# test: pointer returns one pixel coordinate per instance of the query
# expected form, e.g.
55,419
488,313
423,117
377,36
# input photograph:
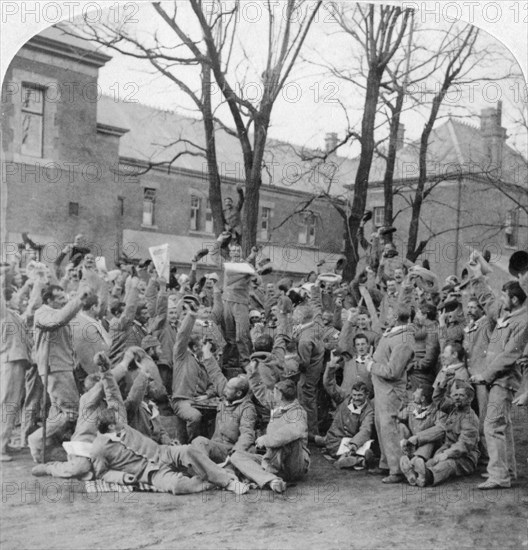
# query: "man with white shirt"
351,428
354,370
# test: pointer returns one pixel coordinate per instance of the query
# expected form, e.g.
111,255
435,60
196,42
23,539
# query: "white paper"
160,257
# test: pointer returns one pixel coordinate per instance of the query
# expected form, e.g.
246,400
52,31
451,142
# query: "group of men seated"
387,373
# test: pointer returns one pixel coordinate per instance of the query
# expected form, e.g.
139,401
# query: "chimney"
493,133
330,141
401,137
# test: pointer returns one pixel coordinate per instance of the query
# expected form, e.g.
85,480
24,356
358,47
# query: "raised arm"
183,336
330,384
264,396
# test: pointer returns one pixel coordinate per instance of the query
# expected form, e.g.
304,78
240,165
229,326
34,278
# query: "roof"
155,136
453,146
155,133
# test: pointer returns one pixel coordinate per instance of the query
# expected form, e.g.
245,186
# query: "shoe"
347,462
489,484
278,486
237,487
393,478
418,465
407,470
319,440
378,471
39,470
5,457
370,460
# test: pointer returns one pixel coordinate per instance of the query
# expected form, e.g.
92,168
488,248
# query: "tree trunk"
388,180
213,176
365,162
416,209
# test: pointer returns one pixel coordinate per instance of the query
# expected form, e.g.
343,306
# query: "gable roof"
454,147
155,136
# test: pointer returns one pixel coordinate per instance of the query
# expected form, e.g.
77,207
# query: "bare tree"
210,48
377,31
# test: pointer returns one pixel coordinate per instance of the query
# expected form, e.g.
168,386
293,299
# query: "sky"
310,105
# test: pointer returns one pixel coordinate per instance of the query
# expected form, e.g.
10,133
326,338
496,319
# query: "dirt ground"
331,509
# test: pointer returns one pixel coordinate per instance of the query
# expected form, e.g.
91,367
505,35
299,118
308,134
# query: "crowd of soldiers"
111,375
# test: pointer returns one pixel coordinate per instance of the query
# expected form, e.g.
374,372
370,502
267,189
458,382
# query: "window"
511,227
32,120
149,198
73,209
208,218
195,213
378,218
307,231
121,206
265,223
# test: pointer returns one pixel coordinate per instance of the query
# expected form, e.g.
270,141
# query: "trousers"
62,415
177,458
452,467
192,417
237,327
498,431
12,375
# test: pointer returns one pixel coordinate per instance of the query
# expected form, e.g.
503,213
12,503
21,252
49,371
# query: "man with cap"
501,373
236,415
457,432
286,440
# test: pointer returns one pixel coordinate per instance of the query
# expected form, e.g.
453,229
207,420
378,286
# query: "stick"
44,412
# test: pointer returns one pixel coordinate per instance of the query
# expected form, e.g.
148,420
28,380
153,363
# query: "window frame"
149,198
33,114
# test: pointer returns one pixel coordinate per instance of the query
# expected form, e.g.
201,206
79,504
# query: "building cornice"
143,165
110,130
67,51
